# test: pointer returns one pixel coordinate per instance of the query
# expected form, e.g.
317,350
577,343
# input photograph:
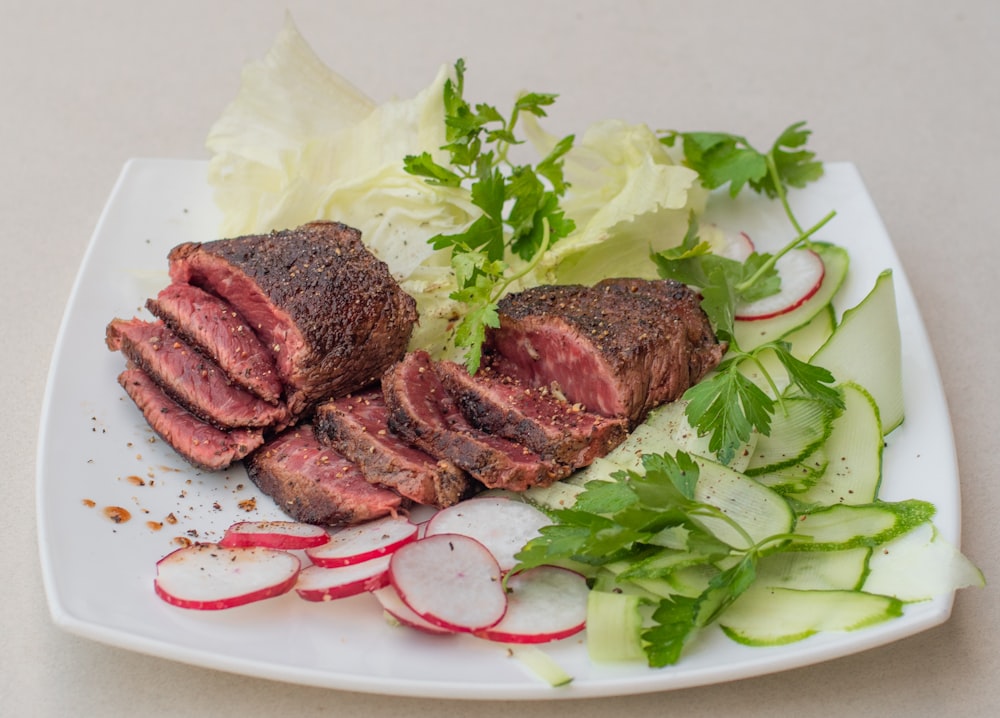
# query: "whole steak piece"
315,484
619,348
327,308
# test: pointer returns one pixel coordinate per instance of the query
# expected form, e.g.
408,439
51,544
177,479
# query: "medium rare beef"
532,417
329,310
194,382
358,427
620,348
315,484
422,413
214,328
201,444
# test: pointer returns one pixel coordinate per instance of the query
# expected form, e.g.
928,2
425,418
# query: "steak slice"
358,427
213,327
327,308
532,417
620,348
315,484
422,413
200,444
190,379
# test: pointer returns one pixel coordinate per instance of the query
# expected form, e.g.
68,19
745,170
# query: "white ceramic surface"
95,447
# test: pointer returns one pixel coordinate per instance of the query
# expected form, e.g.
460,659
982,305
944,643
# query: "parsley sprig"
521,216
641,518
728,406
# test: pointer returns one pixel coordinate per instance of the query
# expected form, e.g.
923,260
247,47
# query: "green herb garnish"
728,406
521,216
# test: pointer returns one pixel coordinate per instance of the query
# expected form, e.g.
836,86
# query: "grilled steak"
358,427
620,348
532,417
190,379
217,330
201,444
422,413
315,484
327,308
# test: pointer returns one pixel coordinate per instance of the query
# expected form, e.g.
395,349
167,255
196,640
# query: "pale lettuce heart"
627,197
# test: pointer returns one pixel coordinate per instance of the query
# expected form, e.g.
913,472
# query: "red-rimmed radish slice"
451,581
275,534
801,272
502,525
736,246
363,543
211,577
545,603
393,605
317,583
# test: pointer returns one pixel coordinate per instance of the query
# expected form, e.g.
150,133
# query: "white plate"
95,447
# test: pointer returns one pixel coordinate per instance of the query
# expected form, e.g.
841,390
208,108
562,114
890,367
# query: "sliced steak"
620,348
315,484
190,379
358,427
212,326
328,309
533,417
422,413
202,445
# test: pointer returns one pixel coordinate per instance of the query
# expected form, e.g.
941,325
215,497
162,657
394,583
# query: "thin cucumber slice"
759,511
826,571
800,425
540,663
765,616
751,334
796,478
803,343
854,449
920,565
839,527
866,349
614,623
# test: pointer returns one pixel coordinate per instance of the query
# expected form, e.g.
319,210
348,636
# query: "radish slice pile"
444,577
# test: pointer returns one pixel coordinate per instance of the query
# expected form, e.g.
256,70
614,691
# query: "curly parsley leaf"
519,204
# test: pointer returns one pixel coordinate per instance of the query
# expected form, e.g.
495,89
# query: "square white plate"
95,452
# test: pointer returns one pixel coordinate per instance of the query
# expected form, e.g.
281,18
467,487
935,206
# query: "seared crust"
328,309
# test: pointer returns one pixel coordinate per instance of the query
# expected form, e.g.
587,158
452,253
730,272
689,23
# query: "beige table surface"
906,90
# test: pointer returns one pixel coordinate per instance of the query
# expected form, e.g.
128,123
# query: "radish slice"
451,581
317,583
393,605
801,272
502,525
544,604
274,534
210,577
737,246
362,543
